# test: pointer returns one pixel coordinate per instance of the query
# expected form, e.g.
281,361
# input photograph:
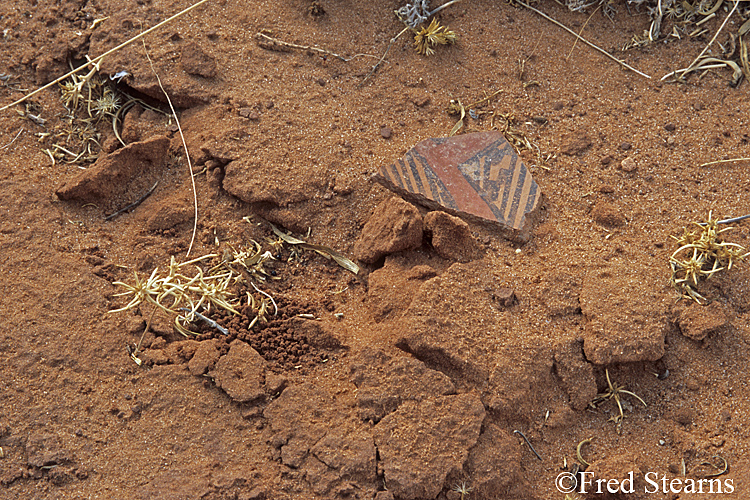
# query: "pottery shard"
451,237
625,318
421,443
697,322
477,177
241,373
395,225
383,383
120,177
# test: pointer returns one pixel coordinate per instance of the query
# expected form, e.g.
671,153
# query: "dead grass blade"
682,72
270,43
325,251
595,47
718,162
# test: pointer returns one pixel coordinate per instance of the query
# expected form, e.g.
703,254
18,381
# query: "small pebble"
670,127
386,132
626,146
628,165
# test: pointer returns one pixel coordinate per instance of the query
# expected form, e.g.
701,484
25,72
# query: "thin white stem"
448,4
187,153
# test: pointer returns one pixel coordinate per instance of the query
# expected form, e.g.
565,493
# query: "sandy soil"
413,378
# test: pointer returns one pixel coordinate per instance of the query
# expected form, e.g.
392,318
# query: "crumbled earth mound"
455,364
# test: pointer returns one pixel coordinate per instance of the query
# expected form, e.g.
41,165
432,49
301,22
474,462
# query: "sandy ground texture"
424,374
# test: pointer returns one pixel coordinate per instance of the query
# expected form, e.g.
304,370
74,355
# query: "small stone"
606,160
628,165
422,101
626,146
246,112
504,297
670,127
386,132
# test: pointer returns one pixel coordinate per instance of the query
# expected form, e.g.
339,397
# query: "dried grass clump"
700,254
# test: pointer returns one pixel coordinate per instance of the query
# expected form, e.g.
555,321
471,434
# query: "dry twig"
94,63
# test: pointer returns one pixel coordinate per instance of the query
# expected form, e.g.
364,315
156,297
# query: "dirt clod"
112,178
435,438
241,373
607,214
575,144
451,237
698,322
395,225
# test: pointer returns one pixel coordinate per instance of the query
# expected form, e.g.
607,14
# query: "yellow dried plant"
702,252
434,34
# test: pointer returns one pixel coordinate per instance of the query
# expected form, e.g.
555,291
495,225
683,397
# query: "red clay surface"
411,379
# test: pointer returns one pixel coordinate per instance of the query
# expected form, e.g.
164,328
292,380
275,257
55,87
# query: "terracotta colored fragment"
394,226
478,177
113,178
